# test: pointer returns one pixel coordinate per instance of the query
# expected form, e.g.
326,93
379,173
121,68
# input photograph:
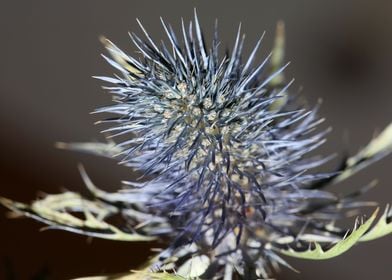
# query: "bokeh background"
341,51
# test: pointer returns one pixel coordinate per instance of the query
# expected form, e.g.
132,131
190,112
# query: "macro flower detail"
227,182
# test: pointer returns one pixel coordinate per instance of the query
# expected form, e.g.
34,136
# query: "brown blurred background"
340,51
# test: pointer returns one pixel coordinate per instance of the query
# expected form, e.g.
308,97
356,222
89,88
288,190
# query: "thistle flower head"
223,158
224,152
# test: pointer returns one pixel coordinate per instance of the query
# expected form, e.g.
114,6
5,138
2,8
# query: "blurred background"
340,51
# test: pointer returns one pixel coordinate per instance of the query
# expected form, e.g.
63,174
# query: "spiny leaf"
318,253
382,228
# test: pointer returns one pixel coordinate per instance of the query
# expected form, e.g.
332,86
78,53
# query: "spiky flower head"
223,148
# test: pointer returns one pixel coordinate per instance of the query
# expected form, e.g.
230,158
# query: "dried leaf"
138,275
57,211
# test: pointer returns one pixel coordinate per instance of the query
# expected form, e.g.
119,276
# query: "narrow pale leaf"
277,57
109,150
379,147
120,57
194,267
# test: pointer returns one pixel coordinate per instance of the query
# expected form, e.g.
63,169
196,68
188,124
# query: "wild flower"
224,148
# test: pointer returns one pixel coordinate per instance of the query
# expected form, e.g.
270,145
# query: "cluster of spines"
222,154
